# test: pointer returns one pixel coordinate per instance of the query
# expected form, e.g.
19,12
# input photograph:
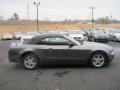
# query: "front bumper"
111,56
101,39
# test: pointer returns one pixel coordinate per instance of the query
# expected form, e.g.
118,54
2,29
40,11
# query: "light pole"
37,4
28,11
92,9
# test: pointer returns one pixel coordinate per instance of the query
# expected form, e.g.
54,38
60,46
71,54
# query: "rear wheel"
98,60
30,61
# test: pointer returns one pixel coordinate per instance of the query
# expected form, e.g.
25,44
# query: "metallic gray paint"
80,53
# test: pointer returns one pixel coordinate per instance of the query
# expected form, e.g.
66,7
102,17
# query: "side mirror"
71,44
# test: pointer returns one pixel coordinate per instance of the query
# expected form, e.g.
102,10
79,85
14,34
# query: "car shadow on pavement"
19,67
65,66
62,66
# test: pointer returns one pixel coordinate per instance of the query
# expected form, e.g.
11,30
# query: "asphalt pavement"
13,77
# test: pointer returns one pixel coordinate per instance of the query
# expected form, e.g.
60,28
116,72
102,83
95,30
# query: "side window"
42,42
54,41
57,41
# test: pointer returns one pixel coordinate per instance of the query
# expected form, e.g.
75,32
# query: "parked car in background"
28,35
79,35
18,35
109,32
58,48
42,32
98,36
58,32
63,32
52,32
7,36
115,35
89,31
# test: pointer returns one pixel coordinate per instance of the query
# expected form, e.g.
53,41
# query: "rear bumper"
13,57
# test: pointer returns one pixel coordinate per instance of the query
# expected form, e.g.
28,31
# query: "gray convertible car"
57,48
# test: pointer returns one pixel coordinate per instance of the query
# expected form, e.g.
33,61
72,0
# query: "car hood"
101,35
96,46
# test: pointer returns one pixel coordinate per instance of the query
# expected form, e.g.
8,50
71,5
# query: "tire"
98,60
30,61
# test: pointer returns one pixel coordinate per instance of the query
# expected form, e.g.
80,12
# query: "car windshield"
72,39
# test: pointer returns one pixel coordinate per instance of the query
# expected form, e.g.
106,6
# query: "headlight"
111,52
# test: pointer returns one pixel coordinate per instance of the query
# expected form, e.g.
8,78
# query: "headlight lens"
112,52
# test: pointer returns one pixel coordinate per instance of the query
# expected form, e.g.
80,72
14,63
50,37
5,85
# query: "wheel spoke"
98,60
30,62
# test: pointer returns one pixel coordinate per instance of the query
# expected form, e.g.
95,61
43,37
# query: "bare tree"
15,16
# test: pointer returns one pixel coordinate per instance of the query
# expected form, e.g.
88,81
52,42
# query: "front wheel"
30,61
98,60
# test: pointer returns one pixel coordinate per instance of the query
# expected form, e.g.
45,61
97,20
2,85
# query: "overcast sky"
61,9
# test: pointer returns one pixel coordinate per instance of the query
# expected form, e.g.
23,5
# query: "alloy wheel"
30,61
98,60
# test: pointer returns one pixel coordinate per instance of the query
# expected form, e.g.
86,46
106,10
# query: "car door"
58,48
